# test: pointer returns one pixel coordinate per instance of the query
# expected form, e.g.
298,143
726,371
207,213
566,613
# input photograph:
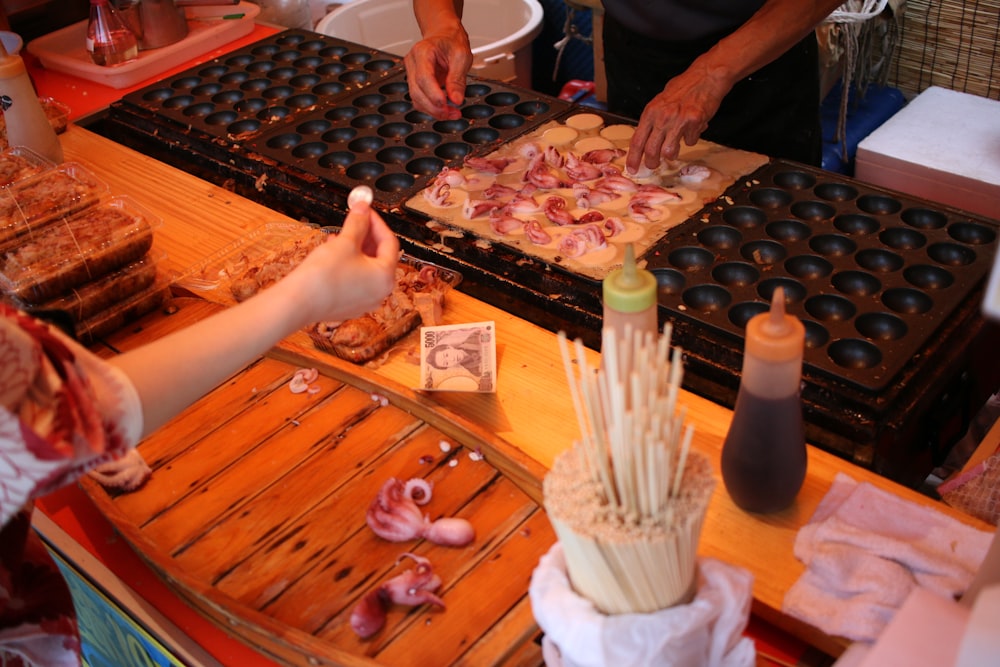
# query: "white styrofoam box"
943,146
991,300
500,32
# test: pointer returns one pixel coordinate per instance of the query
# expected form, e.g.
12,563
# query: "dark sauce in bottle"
764,455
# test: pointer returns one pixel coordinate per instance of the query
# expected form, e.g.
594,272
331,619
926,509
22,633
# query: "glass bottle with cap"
629,296
287,13
110,41
27,124
764,454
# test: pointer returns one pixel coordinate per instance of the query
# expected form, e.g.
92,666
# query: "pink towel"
865,549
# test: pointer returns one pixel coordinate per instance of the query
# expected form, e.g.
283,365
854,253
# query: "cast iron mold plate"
871,273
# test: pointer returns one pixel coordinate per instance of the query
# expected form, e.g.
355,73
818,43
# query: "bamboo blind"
948,43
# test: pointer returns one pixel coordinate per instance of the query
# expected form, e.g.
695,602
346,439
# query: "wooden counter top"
531,411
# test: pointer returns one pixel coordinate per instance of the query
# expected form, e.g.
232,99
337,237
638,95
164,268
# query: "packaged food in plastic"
130,309
95,296
29,205
18,163
75,250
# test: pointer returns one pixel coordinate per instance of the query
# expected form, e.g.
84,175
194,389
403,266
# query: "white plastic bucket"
500,31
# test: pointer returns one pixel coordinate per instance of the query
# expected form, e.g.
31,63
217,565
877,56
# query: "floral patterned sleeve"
64,411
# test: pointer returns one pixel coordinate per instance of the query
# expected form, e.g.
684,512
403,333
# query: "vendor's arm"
437,65
348,275
688,101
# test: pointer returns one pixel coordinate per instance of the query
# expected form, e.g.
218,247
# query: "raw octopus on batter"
564,196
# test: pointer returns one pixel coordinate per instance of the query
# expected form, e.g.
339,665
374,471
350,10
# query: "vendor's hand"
351,273
681,111
436,68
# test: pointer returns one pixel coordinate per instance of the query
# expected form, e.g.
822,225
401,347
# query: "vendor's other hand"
361,260
681,111
436,68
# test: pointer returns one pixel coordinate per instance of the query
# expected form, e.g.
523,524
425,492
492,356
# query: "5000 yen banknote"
459,357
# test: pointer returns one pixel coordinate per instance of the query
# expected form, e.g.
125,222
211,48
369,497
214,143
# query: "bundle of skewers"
628,500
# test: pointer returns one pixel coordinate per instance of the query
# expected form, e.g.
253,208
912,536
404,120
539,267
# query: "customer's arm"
344,277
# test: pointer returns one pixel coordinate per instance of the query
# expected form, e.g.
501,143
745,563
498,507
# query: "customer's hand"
351,273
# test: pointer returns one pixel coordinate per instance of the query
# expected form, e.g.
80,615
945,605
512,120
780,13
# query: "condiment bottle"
287,13
629,295
764,453
27,124
109,40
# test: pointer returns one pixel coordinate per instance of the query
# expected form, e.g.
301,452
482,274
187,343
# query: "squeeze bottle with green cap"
764,453
629,295
27,124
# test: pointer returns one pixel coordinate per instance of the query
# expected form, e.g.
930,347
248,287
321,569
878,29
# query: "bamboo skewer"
628,501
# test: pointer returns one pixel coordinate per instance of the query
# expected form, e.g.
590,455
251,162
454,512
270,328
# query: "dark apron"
774,111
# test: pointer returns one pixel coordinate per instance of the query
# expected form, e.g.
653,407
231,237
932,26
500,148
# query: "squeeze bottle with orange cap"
27,124
764,454
629,296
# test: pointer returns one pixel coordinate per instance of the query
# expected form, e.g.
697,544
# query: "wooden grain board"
521,428
255,513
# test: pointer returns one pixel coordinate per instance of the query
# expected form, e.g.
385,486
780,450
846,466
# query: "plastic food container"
29,205
100,295
55,111
18,163
270,252
253,262
130,309
77,249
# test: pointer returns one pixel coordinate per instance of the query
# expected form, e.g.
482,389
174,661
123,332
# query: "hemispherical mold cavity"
741,313
832,245
830,308
879,260
854,353
770,197
744,216
690,258
763,252
808,267
902,238
788,230
794,180
879,204
856,224
394,182
928,276
907,300
669,282
795,291
735,274
880,326
720,237
707,298
836,191
856,283
951,254
924,218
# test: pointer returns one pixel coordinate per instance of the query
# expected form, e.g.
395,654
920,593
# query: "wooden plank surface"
262,501
530,419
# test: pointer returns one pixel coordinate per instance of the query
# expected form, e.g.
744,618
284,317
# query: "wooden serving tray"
255,514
